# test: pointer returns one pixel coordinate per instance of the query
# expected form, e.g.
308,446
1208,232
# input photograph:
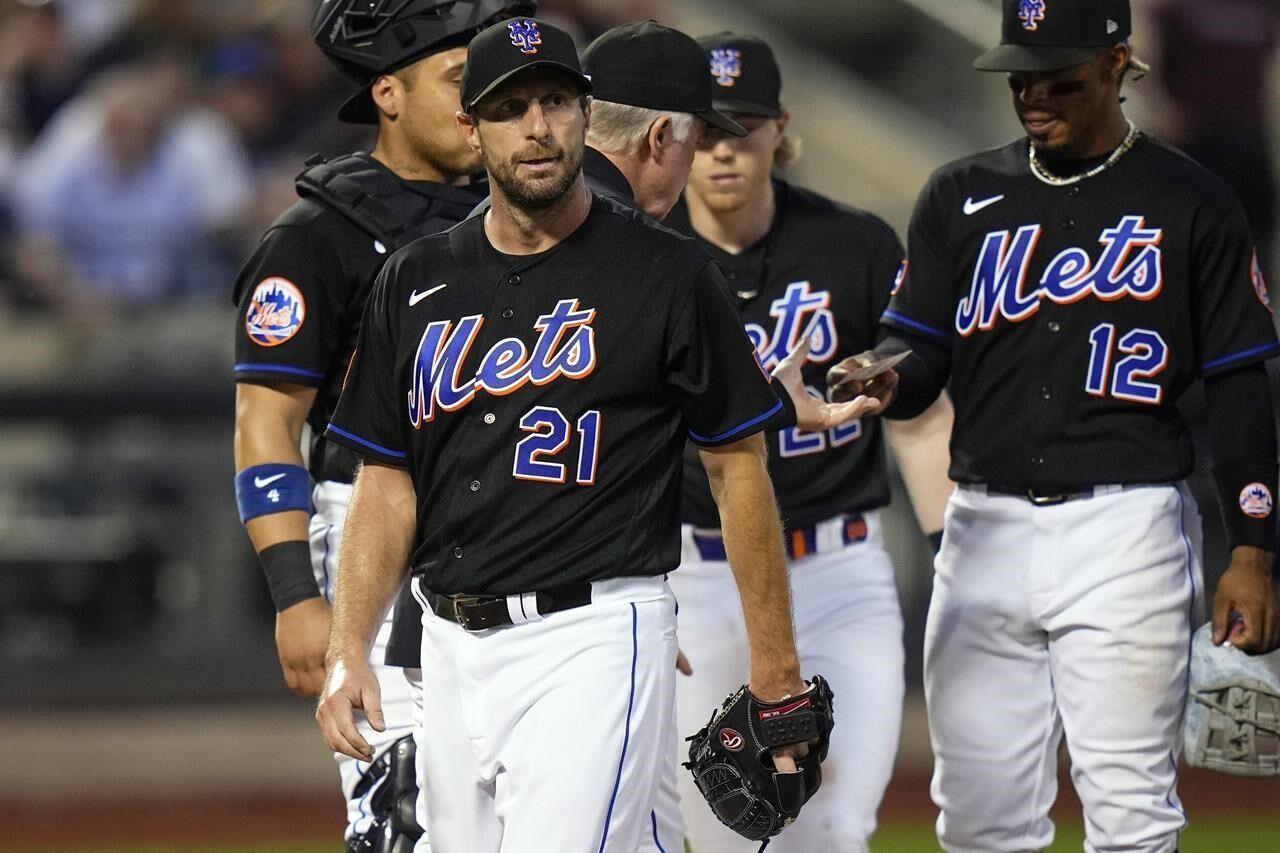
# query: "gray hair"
620,128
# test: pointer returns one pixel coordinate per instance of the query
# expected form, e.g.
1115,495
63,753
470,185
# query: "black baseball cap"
647,65
1049,35
745,78
365,40
511,47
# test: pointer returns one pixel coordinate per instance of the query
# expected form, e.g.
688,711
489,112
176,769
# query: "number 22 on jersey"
794,441
1144,353
549,434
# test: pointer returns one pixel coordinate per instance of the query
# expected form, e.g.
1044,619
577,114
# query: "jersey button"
457,553
1046,392
1074,191
490,417
1055,326
513,279
1035,460
507,313
1070,225
475,485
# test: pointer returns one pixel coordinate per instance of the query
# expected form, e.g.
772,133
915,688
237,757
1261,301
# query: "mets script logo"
795,312
1255,500
726,65
525,35
731,740
1031,13
565,347
1130,265
276,311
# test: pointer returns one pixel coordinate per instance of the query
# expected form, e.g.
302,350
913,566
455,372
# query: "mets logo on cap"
1255,500
1031,13
525,35
276,311
726,65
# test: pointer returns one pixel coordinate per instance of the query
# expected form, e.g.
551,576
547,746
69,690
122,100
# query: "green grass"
1244,836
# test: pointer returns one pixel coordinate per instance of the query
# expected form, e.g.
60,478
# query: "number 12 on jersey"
550,430
1145,355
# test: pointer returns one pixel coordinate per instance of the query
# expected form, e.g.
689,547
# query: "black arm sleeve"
1242,439
921,375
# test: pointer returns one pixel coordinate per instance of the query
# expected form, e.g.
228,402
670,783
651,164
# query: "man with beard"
522,389
301,296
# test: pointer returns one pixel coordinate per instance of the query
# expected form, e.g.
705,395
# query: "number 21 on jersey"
1144,353
549,434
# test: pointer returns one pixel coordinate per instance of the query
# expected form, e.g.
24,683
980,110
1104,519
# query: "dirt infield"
160,822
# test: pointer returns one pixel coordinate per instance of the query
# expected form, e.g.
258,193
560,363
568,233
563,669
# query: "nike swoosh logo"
971,207
261,482
416,297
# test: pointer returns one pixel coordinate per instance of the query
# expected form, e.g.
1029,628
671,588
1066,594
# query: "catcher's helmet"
368,38
1233,709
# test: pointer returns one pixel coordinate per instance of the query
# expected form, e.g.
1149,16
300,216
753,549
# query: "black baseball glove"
732,763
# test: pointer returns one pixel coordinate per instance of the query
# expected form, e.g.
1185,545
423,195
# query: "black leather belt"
482,612
1041,497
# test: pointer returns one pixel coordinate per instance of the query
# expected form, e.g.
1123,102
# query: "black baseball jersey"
541,402
302,292
832,268
1075,316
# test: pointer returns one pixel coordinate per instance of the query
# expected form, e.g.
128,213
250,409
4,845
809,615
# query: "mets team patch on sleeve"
899,278
1255,500
276,311
1260,283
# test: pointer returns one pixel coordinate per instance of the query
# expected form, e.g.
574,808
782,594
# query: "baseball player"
648,115
1070,286
521,391
800,263
301,296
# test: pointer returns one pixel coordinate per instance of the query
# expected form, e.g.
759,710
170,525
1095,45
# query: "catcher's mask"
368,38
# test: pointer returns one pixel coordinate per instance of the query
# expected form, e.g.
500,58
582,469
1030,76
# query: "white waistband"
1098,491
523,607
829,533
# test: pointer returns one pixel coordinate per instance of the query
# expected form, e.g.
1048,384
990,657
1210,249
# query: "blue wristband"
265,489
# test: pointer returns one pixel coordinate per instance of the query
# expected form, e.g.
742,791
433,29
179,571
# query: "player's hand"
302,635
351,686
843,386
682,664
814,414
784,757
1246,607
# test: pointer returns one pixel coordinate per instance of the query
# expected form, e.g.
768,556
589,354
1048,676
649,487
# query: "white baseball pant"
550,734
1074,618
849,630
401,695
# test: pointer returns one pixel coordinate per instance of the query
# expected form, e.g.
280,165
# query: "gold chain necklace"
1053,180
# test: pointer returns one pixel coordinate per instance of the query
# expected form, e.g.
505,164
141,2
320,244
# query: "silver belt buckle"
460,601
1046,500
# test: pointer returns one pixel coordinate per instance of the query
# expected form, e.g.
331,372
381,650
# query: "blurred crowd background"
146,144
